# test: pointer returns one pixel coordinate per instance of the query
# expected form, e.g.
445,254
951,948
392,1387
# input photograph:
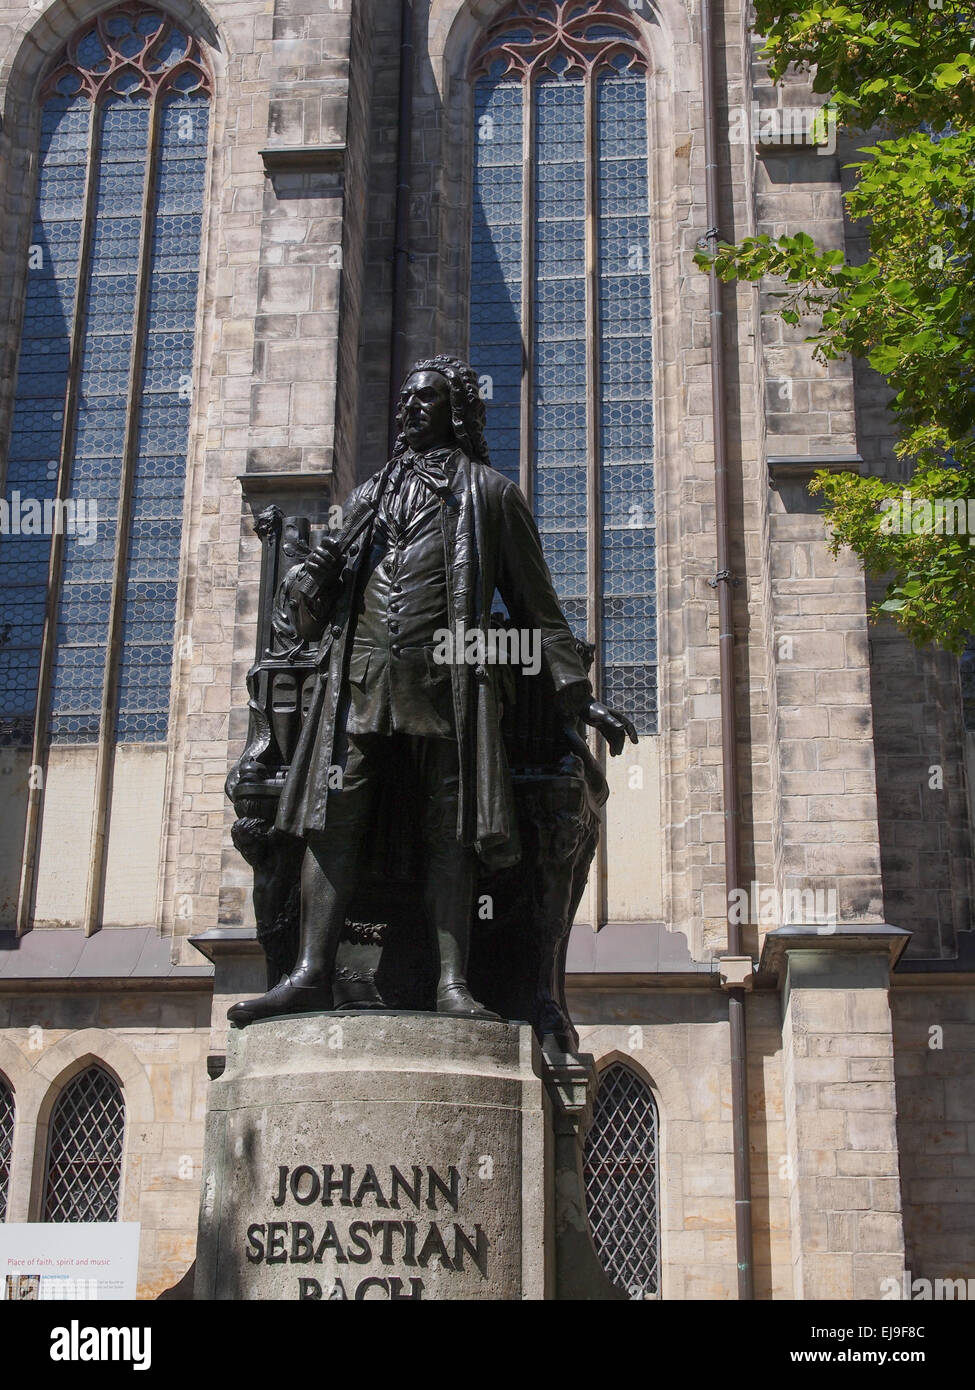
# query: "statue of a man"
426,543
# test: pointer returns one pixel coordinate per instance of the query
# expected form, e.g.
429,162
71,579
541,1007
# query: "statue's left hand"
614,727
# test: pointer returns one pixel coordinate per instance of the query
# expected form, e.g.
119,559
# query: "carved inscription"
412,1239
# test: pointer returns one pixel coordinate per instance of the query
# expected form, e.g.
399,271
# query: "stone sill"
221,942
770,148
847,937
290,159
289,481
799,468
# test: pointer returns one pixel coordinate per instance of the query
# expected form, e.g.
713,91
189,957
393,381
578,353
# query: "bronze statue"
405,686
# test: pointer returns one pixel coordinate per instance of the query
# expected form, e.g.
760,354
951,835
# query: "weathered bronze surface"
420,809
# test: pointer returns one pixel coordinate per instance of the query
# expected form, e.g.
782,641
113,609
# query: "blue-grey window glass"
38,418
496,263
130,93
559,388
153,562
96,468
629,628
584,369
6,1142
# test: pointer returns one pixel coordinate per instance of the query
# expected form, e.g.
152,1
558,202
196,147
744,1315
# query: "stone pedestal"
392,1156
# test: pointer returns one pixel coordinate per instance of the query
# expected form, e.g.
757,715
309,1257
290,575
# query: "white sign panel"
55,1260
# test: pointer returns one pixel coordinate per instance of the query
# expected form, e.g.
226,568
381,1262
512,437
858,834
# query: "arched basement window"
84,1155
622,1184
561,314
97,450
6,1142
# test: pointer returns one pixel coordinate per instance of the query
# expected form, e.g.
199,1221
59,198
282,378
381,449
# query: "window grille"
101,410
84,1158
563,328
622,1182
6,1142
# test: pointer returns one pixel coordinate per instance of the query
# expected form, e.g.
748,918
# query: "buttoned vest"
395,686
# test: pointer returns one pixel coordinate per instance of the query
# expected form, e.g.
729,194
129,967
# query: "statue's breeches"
424,774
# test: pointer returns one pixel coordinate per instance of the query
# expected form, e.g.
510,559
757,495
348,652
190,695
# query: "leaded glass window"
97,445
6,1142
622,1182
561,315
84,1156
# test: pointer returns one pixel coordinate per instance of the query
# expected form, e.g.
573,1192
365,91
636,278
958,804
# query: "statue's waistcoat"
395,686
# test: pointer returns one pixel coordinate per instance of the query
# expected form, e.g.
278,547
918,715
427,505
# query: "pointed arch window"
6,1142
622,1181
84,1155
96,455
561,312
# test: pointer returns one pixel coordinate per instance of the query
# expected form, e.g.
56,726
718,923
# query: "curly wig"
467,412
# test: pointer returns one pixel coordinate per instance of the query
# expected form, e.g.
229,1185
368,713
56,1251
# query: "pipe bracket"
737,972
724,577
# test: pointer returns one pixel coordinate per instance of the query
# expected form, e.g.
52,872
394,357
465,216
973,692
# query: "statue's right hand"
324,561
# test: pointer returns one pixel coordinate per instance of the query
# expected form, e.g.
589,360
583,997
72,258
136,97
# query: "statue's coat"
491,543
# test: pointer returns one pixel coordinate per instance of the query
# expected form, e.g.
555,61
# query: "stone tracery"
568,37
128,50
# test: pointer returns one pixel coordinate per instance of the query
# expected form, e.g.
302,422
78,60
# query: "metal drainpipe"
723,582
401,254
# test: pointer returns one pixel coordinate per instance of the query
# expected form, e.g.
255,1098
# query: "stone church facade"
224,228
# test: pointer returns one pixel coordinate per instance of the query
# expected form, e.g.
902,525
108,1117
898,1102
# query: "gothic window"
622,1182
101,409
6,1142
84,1155
560,312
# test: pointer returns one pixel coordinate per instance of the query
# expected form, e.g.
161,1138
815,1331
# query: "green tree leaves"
908,67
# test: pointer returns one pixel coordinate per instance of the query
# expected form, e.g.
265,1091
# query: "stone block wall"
923,818
382,136
824,790
677,1040
824,718
934,1069
155,1044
